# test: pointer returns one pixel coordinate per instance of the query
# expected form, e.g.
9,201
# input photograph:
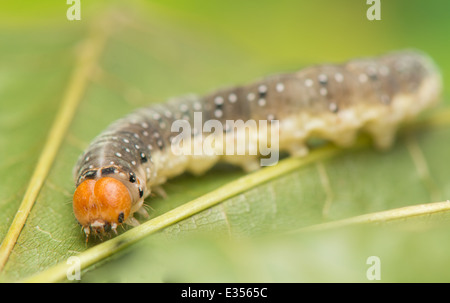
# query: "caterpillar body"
133,155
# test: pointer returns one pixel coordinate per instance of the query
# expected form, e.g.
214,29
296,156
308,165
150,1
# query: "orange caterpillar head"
101,205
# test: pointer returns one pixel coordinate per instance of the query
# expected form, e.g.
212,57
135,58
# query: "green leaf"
225,225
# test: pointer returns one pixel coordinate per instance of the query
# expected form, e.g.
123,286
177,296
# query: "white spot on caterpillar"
232,98
280,87
251,97
322,78
363,78
197,106
218,113
323,91
339,77
262,102
218,100
262,88
309,82
333,107
118,154
184,107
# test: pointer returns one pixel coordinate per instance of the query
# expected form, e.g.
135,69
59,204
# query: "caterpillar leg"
251,165
201,164
132,221
345,139
247,163
383,134
297,149
143,212
159,190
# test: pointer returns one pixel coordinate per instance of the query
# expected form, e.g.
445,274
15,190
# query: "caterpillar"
133,156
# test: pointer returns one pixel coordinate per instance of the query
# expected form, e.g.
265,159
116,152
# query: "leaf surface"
158,50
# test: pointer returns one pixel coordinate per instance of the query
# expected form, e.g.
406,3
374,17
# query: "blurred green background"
160,49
